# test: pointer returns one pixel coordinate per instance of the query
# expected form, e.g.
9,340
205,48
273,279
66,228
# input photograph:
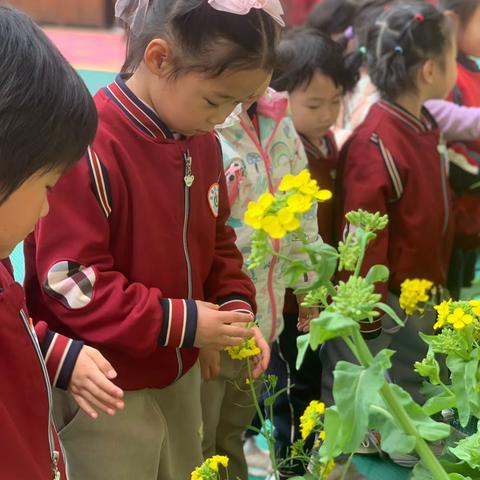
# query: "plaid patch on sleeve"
71,283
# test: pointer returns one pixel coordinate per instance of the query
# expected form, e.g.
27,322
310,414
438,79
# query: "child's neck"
412,103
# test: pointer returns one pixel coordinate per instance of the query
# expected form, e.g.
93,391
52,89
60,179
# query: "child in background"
391,164
465,164
312,69
144,266
260,146
47,119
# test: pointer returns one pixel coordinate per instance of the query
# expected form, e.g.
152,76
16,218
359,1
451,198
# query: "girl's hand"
209,363
91,385
305,315
261,361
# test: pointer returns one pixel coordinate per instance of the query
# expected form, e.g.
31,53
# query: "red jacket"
391,164
130,241
29,445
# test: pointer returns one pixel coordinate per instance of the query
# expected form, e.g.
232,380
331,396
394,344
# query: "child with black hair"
392,164
334,18
47,119
465,156
144,265
311,68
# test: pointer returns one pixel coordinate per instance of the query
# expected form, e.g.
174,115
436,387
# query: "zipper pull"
55,470
188,178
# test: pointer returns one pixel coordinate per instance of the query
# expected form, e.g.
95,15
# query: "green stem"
346,468
396,408
267,434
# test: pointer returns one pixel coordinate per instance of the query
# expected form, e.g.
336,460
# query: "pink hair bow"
133,13
242,7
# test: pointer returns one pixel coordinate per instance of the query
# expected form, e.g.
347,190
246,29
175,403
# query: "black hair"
401,40
463,8
204,39
304,51
334,17
47,116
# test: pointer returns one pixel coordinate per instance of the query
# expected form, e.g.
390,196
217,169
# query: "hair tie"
419,17
399,50
132,13
348,33
242,7
363,50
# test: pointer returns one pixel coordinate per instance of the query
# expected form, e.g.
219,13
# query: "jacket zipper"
276,244
443,167
54,455
188,180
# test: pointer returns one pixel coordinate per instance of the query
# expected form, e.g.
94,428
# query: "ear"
156,56
426,72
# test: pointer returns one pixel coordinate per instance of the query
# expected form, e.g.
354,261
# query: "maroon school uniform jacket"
136,231
391,164
29,448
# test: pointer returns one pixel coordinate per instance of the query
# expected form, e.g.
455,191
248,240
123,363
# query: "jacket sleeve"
60,354
458,123
365,184
227,285
309,220
80,285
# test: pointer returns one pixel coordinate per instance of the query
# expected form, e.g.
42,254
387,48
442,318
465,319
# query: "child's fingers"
102,363
205,370
235,317
101,395
85,406
93,401
105,385
237,331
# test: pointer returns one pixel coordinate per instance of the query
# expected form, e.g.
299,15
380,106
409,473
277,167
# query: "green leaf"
394,439
436,404
327,259
429,368
303,342
390,312
293,271
330,325
463,374
355,388
334,431
378,273
428,428
468,450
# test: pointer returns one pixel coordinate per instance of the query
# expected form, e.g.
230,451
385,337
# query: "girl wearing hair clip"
392,164
144,266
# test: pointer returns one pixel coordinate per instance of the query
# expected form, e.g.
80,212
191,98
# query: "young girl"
466,172
391,164
260,146
143,244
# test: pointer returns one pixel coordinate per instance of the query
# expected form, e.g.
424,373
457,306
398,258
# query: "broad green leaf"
428,428
394,439
463,374
438,403
378,273
330,325
390,312
334,433
355,388
293,271
468,450
303,342
420,472
327,259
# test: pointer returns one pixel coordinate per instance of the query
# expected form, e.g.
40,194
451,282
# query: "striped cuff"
236,304
371,330
60,354
179,323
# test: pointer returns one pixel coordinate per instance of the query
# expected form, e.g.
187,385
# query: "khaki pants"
228,410
156,437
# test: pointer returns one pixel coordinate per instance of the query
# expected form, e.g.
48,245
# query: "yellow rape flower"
292,182
247,349
475,304
414,292
459,319
323,195
288,219
299,203
309,188
311,418
265,200
217,460
209,468
328,468
443,310
272,225
256,210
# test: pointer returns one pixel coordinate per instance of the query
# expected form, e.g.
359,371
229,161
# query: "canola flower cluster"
277,215
311,419
208,470
246,350
457,315
414,293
